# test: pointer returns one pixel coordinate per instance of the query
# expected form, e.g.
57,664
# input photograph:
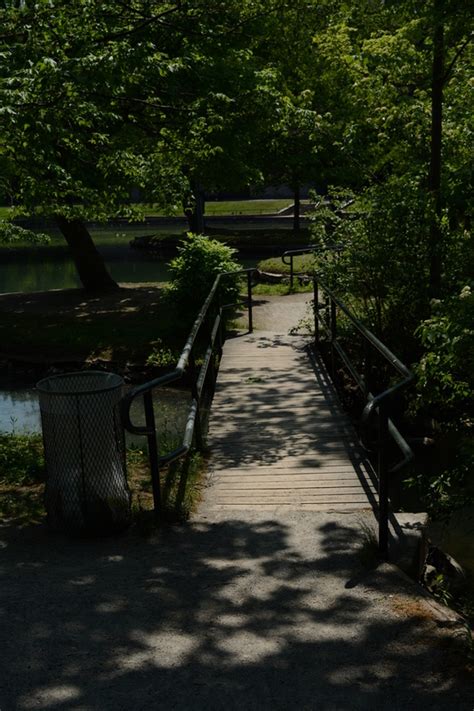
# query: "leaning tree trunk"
296,209
195,211
435,160
89,263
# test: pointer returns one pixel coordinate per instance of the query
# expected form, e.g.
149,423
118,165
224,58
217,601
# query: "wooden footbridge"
278,437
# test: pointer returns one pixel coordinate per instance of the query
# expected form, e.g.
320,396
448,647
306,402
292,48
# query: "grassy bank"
212,207
302,264
23,473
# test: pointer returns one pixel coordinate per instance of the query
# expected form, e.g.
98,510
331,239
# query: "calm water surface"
40,271
19,411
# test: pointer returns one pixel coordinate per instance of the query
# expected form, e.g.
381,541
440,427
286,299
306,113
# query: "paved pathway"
221,615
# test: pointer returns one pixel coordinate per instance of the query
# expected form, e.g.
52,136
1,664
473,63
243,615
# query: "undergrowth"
23,474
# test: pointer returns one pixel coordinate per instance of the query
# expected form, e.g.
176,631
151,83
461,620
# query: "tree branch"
140,26
460,50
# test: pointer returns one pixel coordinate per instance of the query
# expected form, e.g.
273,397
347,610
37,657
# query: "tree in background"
413,207
101,97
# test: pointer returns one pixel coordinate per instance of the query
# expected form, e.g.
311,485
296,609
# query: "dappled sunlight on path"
230,614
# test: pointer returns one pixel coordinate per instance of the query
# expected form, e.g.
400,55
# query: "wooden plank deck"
278,438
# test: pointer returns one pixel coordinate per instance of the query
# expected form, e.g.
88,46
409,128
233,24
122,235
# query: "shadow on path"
235,614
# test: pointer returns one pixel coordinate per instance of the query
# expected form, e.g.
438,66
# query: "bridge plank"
278,437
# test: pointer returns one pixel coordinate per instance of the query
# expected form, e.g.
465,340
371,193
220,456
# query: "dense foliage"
11,234
194,270
446,369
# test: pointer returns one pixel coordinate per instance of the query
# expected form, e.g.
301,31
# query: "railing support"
316,312
249,300
367,368
195,395
382,472
292,273
152,450
333,316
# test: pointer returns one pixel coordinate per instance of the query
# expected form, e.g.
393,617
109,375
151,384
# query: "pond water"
40,272
19,411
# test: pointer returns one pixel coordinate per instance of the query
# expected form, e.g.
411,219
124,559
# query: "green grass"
302,264
233,207
247,207
23,474
280,289
5,213
212,207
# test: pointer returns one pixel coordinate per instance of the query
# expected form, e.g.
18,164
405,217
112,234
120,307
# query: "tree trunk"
436,146
194,210
296,210
89,263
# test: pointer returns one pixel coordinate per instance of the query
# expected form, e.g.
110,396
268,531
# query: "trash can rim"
42,388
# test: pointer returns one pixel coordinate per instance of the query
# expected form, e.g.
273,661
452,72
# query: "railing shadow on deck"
209,326
379,407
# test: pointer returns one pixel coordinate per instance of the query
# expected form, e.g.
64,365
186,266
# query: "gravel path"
284,314
234,613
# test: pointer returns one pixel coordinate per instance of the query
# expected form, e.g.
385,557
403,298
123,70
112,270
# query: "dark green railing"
378,407
210,319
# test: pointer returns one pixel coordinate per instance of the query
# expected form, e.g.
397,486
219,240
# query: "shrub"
445,373
193,272
21,458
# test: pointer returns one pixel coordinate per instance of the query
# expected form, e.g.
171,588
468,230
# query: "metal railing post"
195,395
367,367
327,311
186,363
291,272
152,450
333,336
249,300
316,312
383,482
333,321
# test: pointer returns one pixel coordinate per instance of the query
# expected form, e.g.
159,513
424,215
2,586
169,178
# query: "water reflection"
40,271
19,411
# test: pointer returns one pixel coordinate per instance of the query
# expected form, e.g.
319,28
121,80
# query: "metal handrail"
310,249
376,405
186,360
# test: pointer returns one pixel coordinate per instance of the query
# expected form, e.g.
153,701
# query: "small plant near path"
23,476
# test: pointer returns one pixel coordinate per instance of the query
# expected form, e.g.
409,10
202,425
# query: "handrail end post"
153,451
382,472
316,312
249,300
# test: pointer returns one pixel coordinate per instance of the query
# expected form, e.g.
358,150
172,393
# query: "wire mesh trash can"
84,442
